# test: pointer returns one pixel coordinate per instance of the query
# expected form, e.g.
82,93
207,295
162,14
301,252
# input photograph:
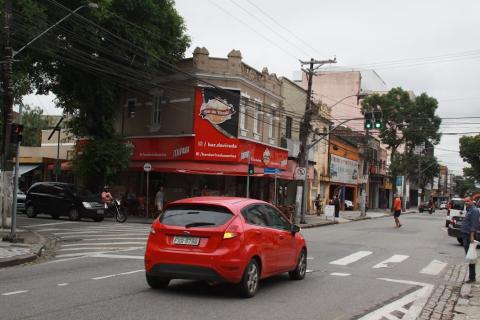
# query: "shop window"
242,115
131,108
156,110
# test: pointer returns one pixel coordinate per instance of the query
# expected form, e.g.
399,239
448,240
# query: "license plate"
189,241
99,211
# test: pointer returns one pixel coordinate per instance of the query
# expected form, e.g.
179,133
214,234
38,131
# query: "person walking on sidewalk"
159,199
470,225
397,210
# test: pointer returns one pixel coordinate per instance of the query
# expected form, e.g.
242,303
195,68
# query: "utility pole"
7,167
305,128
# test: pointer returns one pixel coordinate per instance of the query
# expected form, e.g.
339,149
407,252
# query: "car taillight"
233,230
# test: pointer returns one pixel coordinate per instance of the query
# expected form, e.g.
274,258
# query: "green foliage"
464,185
100,162
406,121
470,153
90,70
34,122
423,167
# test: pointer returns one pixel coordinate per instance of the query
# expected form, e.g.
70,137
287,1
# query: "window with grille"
288,129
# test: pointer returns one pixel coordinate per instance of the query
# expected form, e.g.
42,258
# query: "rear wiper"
197,224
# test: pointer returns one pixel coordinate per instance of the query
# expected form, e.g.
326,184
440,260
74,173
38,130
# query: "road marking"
14,292
100,244
47,224
63,284
96,239
434,268
117,256
351,258
309,271
131,272
339,274
310,258
99,248
418,297
105,277
397,258
106,234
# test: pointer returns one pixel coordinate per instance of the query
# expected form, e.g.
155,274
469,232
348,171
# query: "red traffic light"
16,133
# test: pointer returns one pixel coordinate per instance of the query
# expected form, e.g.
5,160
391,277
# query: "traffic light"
368,120
251,169
16,133
378,120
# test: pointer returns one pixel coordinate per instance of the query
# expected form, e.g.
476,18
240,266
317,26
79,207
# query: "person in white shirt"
159,199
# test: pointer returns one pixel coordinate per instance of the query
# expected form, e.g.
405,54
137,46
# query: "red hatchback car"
223,239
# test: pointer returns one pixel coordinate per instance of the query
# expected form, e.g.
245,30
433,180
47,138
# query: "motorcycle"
118,210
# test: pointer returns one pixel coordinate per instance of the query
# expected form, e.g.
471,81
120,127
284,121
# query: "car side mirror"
294,229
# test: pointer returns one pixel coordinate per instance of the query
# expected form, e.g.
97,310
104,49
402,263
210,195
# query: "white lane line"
396,258
434,267
96,239
50,229
309,271
73,256
100,248
48,224
117,256
100,244
131,272
339,274
418,297
14,292
105,277
106,234
63,284
351,258
310,258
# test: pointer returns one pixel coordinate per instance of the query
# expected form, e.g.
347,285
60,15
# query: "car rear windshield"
458,204
196,216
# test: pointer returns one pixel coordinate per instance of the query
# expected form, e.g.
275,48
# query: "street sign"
271,170
300,173
329,211
147,167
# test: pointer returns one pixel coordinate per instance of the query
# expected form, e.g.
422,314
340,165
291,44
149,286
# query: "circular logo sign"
147,167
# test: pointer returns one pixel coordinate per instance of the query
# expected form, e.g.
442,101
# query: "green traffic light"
368,125
378,125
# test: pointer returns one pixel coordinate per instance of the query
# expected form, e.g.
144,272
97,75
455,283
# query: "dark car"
454,229
63,199
425,206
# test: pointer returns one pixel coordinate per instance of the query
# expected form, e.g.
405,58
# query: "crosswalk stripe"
351,258
118,256
340,274
434,268
396,258
115,238
48,224
101,244
97,248
109,234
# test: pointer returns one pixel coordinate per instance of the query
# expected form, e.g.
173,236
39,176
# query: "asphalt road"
359,269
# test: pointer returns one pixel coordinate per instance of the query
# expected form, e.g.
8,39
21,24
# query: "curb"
36,252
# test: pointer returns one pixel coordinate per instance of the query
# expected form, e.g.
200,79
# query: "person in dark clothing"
470,225
336,203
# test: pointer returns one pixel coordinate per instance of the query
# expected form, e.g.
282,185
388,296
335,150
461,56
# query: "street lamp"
8,98
311,145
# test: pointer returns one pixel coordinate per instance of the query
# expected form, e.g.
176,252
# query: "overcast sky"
421,45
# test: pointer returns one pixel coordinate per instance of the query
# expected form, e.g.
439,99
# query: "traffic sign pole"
147,167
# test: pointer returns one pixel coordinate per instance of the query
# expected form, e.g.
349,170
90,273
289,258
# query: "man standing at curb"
397,210
469,230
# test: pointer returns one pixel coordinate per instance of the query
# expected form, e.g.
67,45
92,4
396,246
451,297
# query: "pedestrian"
317,204
470,225
107,198
397,210
336,203
159,199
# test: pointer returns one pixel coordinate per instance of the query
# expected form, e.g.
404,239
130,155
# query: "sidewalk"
468,306
29,248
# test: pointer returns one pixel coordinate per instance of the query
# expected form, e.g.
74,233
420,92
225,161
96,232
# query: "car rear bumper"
220,265
454,232
92,213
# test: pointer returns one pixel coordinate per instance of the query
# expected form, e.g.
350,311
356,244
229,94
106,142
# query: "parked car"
348,205
443,205
455,227
63,199
426,206
20,201
223,239
457,209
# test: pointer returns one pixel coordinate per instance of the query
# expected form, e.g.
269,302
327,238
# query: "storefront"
343,179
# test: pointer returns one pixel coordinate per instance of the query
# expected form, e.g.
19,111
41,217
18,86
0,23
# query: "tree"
406,121
470,153
92,65
33,123
463,185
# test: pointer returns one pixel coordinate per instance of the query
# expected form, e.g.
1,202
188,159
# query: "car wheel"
301,269
460,240
73,214
55,216
157,282
420,211
447,223
99,219
30,211
251,277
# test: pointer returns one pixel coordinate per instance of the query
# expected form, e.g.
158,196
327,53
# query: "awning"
64,166
24,168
